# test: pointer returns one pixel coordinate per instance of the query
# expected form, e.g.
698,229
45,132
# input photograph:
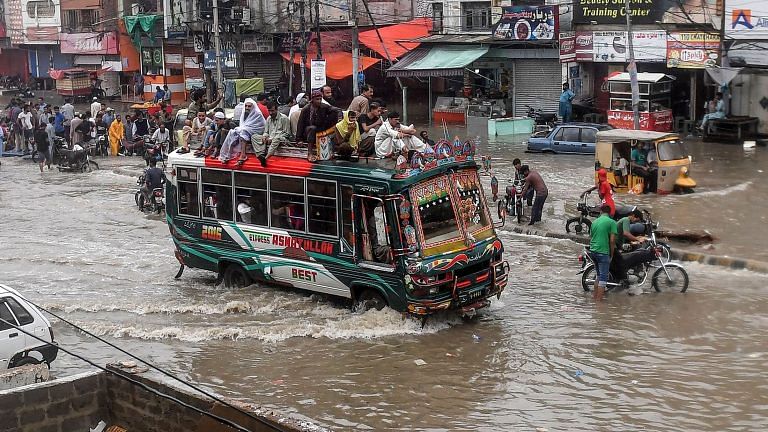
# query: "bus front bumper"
468,300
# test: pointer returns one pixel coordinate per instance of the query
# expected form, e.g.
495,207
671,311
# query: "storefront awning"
338,65
436,61
398,39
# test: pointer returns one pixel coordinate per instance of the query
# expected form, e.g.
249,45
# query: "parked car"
577,138
16,347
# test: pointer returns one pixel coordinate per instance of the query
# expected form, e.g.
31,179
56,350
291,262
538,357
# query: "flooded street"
543,356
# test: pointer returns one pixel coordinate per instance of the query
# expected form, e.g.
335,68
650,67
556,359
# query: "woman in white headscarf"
251,122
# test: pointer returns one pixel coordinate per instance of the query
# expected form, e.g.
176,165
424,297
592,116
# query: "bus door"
372,247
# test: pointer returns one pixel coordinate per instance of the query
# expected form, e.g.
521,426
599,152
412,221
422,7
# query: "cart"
75,83
654,107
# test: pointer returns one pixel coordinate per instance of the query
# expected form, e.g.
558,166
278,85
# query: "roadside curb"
678,254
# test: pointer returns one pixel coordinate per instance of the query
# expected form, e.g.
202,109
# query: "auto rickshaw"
673,162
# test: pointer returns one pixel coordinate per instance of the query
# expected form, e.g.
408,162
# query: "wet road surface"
544,356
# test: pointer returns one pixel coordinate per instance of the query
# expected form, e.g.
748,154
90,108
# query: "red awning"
338,65
396,37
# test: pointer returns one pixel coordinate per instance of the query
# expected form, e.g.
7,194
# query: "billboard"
527,23
693,50
176,17
647,12
609,47
567,46
746,19
89,43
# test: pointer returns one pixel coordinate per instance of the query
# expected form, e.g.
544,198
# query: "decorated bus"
416,236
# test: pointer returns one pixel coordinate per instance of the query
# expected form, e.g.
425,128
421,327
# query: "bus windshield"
451,209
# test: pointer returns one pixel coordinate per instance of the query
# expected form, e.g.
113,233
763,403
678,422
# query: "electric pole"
632,69
303,25
317,30
355,48
217,43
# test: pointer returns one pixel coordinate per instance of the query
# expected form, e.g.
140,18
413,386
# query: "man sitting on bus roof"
276,133
392,137
251,123
315,118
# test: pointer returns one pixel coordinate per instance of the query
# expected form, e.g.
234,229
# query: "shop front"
261,61
655,91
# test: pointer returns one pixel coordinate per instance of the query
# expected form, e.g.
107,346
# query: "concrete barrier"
24,375
677,253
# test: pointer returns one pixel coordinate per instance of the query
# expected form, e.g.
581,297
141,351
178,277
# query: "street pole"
632,69
317,30
290,67
355,48
303,25
217,43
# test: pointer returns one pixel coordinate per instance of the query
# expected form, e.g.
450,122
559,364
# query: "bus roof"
370,169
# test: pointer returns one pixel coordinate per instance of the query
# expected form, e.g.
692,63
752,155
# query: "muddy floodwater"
544,356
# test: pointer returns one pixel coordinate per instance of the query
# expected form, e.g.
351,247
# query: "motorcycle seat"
623,210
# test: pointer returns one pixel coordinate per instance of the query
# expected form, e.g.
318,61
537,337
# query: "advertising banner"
567,47
584,46
527,23
89,43
647,12
609,47
650,46
228,59
660,121
746,19
176,15
692,50
317,74
152,57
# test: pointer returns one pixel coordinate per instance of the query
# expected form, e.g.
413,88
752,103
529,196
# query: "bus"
416,236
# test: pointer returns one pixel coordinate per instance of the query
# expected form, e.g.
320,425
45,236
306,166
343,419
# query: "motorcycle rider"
604,190
153,178
520,178
162,136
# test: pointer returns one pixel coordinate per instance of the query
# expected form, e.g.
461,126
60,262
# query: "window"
372,238
188,200
477,15
287,203
6,315
321,196
41,9
438,220
589,135
571,134
671,150
217,194
437,17
251,194
79,19
472,209
22,315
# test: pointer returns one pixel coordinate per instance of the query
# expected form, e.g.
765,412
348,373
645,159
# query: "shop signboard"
584,45
567,47
258,44
647,12
660,121
89,43
692,50
748,19
152,57
609,47
527,23
176,15
227,58
317,74
650,46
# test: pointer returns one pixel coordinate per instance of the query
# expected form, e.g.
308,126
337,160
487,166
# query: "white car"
16,347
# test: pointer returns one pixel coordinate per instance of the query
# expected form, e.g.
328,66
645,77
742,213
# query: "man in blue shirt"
58,122
566,109
159,94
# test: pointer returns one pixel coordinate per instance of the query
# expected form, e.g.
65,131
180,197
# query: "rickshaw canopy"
619,135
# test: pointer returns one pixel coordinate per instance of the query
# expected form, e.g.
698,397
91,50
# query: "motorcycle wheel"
519,210
140,201
35,156
588,278
136,198
578,225
674,279
500,209
92,165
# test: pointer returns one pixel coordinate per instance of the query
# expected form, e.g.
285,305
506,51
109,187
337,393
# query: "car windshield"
672,150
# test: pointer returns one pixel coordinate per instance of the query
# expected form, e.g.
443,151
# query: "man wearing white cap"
95,107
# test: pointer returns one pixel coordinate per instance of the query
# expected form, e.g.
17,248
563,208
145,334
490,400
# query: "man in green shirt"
624,226
601,247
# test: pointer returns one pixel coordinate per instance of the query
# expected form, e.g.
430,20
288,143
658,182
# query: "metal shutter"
538,83
268,65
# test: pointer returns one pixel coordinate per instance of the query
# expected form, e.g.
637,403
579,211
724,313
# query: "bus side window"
373,239
187,192
346,217
217,194
322,207
287,202
251,196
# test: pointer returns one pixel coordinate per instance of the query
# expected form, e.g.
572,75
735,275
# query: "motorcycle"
582,223
153,151
76,160
59,144
26,92
632,270
102,141
540,118
157,199
512,202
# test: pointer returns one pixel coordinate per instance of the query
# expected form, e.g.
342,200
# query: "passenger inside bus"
243,210
288,215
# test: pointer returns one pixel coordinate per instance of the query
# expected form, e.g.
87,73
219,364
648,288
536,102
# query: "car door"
566,140
588,140
11,339
35,328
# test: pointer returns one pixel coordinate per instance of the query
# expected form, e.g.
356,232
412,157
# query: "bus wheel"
236,277
369,299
